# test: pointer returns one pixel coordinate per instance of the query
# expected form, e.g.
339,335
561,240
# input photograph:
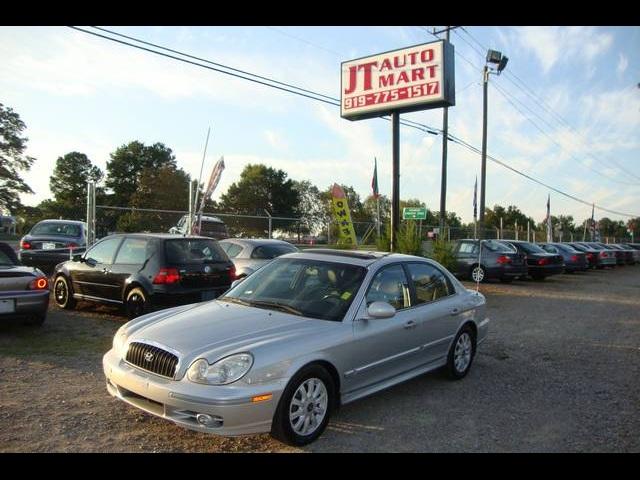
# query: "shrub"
443,254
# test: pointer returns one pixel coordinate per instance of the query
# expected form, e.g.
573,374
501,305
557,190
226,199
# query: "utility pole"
445,138
483,172
395,190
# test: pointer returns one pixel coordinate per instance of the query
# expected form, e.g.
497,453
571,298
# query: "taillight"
166,276
232,273
502,259
71,245
543,261
589,256
574,258
25,245
40,283
603,254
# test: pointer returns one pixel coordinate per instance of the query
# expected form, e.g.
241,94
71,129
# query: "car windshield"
309,288
7,256
194,250
494,246
59,229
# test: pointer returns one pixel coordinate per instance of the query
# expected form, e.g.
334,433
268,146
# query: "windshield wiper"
235,300
280,306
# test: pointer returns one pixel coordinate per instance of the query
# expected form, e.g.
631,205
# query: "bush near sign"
414,213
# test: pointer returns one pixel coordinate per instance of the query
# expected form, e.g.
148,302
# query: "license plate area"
7,305
48,246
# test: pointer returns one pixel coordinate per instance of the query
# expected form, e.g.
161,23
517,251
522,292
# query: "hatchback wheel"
136,303
461,353
478,273
62,293
305,407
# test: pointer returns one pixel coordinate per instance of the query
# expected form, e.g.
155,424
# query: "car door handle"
410,324
105,270
455,312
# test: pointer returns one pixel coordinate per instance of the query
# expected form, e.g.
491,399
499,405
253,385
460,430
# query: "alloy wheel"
462,352
308,406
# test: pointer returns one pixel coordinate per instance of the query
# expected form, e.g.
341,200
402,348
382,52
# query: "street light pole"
445,138
483,173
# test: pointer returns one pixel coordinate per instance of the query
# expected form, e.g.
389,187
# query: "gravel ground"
559,373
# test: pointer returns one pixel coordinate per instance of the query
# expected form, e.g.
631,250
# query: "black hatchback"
142,271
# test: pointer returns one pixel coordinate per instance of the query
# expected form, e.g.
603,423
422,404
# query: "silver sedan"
283,348
249,254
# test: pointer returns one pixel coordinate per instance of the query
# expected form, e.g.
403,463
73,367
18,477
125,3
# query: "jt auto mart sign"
414,78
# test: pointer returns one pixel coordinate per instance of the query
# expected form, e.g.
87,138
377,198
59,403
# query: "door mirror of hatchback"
381,310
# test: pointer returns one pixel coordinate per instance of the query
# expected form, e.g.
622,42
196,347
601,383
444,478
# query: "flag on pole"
374,180
548,219
216,173
475,199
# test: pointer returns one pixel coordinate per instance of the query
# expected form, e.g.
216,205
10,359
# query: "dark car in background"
204,226
24,291
50,242
619,255
497,261
591,254
249,254
606,257
629,256
540,264
635,248
574,261
141,272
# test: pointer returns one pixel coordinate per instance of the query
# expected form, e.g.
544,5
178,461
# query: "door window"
466,247
103,252
134,251
390,285
429,282
232,249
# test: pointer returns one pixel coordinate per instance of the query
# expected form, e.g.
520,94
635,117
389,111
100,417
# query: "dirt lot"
560,372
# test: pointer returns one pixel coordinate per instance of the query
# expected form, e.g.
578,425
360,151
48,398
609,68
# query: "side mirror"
90,261
381,310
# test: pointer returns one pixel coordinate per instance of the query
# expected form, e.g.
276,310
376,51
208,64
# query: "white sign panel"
406,80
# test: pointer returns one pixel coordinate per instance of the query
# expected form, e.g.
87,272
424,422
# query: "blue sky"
78,92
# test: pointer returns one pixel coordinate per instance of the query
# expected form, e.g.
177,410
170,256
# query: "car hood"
215,329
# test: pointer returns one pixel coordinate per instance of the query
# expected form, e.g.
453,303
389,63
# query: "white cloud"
623,63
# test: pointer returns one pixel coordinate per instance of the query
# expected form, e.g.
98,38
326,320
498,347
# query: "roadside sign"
414,213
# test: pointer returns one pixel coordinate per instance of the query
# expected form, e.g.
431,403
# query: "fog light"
208,420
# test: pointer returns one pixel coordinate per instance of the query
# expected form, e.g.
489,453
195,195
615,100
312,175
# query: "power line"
409,123
540,103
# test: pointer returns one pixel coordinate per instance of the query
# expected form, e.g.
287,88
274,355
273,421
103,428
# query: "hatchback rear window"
494,246
56,228
186,250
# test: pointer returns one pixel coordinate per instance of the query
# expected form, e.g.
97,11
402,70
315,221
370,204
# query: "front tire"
136,303
461,353
63,294
305,407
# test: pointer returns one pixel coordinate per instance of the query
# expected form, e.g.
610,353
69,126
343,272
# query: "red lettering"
413,57
432,70
352,81
403,78
367,73
426,56
396,63
385,80
386,65
417,74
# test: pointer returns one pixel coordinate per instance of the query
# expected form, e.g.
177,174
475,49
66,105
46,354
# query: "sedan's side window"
429,282
466,247
390,285
103,251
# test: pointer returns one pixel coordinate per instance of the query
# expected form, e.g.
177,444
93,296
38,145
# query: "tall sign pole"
395,187
443,179
483,172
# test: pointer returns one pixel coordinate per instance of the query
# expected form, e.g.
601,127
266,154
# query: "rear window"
7,255
494,246
198,250
56,228
531,248
272,251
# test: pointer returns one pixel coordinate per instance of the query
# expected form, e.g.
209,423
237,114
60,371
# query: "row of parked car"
506,260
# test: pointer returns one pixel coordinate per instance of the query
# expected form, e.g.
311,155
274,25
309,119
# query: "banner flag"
347,234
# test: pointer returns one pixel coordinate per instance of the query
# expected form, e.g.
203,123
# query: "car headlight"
223,372
119,340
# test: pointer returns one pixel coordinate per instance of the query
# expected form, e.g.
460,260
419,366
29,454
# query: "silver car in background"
283,348
248,255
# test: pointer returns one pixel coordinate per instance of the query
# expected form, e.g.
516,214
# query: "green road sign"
414,213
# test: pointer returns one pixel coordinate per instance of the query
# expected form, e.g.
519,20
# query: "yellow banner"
347,234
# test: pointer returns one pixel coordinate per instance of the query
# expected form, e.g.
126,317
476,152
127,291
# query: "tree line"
143,176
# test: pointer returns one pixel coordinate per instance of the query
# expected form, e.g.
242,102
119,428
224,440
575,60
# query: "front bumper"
27,302
181,400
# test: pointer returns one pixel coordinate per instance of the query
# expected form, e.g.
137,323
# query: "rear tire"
293,400
461,353
63,293
136,303
478,273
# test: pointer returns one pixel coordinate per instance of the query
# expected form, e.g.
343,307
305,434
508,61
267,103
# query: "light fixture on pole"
496,62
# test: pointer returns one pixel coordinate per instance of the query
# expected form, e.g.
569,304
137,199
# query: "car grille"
152,359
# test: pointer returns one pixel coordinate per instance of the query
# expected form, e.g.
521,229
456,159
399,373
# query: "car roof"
256,241
353,257
164,236
62,220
